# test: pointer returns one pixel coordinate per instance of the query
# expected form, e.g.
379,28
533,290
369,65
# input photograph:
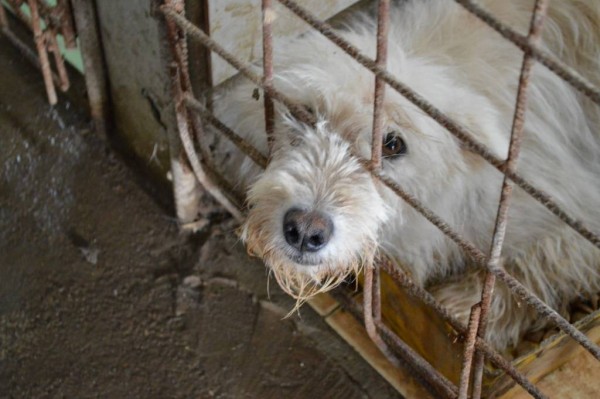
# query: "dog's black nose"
307,231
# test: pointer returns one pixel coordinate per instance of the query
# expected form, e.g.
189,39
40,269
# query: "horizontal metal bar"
245,68
453,127
567,73
542,309
425,297
247,148
419,368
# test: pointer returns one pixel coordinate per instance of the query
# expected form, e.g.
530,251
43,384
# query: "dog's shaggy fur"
470,73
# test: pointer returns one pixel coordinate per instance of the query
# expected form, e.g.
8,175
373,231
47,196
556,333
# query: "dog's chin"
305,260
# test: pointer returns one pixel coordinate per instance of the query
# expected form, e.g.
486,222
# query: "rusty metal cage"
75,22
45,23
191,113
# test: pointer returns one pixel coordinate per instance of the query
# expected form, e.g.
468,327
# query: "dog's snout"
307,231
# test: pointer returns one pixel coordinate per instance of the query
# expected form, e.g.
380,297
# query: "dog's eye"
393,146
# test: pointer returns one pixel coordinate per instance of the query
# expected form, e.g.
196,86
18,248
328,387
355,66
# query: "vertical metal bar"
425,297
455,129
443,387
186,83
368,315
383,17
568,74
423,371
65,16
486,300
42,53
181,85
470,340
200,64
377,294
374,306
183,126
268,15
96,82
52,45
516,138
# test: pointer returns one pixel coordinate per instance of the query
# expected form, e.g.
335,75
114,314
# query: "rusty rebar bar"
420,368
236,139
376,294
59,62
453,127
180,86
542,309
268,16
495,358
38,37
383,22
190,152
65,16
425,297
243,67
96,81
368,317
516,138
383,17
480,258
422,295
25,49
485,304
45,41
532,300
567,73
182,57
469,248
58,17
463,388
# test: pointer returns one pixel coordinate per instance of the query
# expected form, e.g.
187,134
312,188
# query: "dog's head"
316,214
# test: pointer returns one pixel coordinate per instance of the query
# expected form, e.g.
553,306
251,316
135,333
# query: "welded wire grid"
45,23
476,348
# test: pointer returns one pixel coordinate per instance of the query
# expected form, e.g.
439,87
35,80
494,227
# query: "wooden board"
559,366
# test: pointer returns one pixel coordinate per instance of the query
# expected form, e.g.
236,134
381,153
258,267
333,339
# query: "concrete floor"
100,296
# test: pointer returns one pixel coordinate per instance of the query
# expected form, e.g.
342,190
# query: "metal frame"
189,109
61,20
57,20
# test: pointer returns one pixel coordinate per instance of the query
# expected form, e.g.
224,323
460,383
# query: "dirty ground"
100,296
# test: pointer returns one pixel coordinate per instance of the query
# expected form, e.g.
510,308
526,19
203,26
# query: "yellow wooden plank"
562,368
323,304
354,333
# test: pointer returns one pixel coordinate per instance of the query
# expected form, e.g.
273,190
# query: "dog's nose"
307,231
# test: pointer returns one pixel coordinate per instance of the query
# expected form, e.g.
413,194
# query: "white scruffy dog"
316,215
